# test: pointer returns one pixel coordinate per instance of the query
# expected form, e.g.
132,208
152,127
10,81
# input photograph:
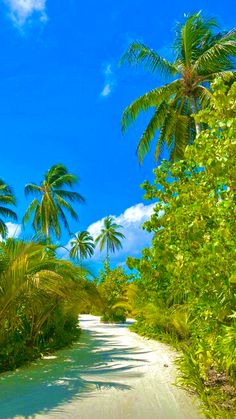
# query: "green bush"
39,302
186,285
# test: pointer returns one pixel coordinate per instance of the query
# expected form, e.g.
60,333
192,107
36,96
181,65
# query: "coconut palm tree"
109,237
82,246
201,55
6,198
52,200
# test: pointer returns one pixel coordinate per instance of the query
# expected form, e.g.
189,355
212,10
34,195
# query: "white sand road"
135,381
110,373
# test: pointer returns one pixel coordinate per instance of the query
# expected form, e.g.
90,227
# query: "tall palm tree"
201,55
110,237
53,199
6,198
82,246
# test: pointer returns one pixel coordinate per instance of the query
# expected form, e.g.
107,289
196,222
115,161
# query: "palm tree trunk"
47,233
195,111
107,258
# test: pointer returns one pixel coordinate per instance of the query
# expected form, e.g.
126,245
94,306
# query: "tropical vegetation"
201,53
52,200
110,238
40,298
82,246
186,283
41,294
114,287
7,198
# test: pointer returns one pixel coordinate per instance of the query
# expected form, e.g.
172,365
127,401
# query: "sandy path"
131,379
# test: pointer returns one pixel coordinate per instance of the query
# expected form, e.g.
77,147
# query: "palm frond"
226,75
153,126
72,196
218,55
192,37
66,179
67,206
7,199
5,189
33,189
204,95
151,99
3,229
55,172
181,137
139,53
8,213
63,218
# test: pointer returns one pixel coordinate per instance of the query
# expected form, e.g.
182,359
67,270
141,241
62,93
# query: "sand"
135,379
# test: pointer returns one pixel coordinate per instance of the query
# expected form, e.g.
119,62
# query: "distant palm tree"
110,237
82,246
6,198
53,198
201,55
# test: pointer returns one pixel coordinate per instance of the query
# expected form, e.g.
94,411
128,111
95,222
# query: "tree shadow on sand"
75,372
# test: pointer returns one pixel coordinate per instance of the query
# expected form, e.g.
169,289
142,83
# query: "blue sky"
63,93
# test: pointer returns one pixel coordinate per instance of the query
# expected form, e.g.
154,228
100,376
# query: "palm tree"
110,237
53,198
82,246
201,55
34,291
6,198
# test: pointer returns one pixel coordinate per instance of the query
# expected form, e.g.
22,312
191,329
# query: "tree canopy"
187,277
53,200
110,238
201,53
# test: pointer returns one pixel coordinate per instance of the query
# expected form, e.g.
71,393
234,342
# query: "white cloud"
106,90
109,83
108,70
14,230
135,237
22,10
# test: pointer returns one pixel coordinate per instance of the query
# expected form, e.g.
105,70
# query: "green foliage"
114,289
110,238
82,246
40,299
187,278
53,200
201,54
6,198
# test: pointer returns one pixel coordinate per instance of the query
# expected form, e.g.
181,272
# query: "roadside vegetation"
186,288
183,288
41,295
40,299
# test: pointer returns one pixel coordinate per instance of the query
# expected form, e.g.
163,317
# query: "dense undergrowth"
40,299
186,286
